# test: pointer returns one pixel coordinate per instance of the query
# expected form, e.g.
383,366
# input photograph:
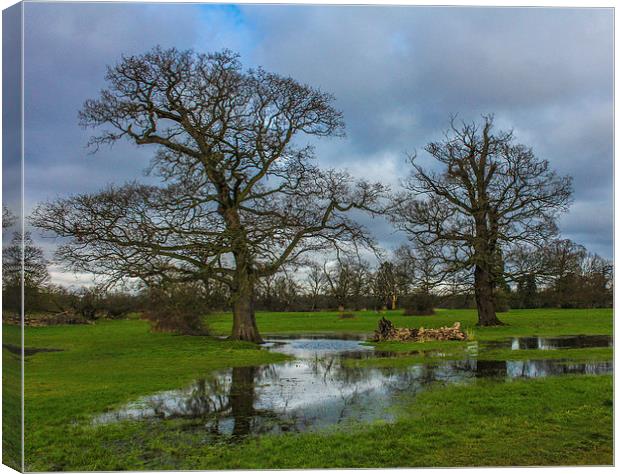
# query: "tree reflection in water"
319,390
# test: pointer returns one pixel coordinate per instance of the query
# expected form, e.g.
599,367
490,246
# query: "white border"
475,3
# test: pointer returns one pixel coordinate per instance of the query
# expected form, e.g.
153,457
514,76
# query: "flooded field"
552,343
319,389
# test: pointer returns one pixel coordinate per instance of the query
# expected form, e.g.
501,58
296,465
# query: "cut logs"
388,332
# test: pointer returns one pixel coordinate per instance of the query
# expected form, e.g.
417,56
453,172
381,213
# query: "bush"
118,305
177,308
86,303
176,321
416,312
421,305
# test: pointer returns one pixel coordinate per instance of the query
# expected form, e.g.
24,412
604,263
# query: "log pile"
388,332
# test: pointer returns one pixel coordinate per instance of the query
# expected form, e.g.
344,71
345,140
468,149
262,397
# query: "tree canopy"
489,199
240,195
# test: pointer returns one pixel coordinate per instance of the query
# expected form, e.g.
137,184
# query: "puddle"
320,336
310,347
551,343
317,390
28,351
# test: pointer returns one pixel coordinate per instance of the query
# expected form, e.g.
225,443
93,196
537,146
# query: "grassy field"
518,322
102,366
11,405
521,423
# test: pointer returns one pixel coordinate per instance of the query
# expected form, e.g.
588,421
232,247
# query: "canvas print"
242,236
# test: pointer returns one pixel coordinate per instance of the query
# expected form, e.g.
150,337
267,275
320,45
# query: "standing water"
319,388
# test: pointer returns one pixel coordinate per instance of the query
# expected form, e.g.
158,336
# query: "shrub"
176,321
117,305
416,312
86,302
177,308
421,305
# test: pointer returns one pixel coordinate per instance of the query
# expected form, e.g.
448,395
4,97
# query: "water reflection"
319,389
552,343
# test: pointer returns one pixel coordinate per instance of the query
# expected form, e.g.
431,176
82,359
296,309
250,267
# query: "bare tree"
562,257
574,277
597,275
23,267
348,281
8,218
385,285
30,262
490,198
404,269
316,283
286,291
240,197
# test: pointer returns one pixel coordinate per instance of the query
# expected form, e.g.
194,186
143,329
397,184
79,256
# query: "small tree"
527,291
31,265
316,283
8,219
386,284
489,198
88,302
177,307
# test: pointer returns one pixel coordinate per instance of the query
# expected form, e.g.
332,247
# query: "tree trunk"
242,395
485,301
244,319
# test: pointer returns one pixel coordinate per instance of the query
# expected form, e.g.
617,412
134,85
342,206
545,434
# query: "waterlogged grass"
563,420
520,423
105,365
573,355
459,351
534,422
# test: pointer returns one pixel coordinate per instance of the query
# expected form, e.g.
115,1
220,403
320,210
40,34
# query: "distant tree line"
570,277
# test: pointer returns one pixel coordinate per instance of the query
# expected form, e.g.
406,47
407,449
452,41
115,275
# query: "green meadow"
554,420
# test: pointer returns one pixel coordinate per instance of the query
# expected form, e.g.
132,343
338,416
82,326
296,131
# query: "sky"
398,74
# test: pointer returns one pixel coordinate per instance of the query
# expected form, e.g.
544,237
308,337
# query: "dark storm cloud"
397,73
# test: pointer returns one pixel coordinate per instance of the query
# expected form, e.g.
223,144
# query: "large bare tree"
240,194
489,197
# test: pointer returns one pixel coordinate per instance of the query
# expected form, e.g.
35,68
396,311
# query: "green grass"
555,421
11,395
534,422
102,366
11,410
518,322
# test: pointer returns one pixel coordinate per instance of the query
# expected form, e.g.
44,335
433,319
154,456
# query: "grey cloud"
399,73
396,72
